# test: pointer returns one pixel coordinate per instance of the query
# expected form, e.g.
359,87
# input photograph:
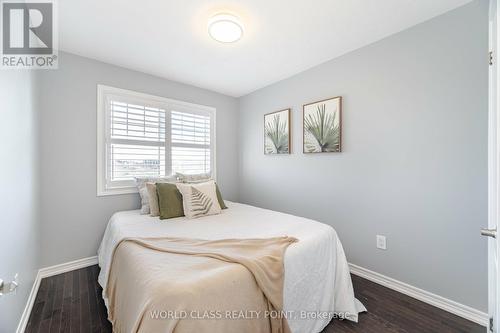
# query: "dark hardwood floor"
72,302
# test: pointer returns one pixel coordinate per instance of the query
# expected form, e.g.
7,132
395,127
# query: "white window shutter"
142,135
191,143
136,141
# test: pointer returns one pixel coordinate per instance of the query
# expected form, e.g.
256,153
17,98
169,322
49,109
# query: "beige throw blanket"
188,285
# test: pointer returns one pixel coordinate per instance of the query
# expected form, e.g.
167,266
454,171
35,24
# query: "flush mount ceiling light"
225,28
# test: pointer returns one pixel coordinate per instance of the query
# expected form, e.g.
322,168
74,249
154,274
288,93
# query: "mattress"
317,284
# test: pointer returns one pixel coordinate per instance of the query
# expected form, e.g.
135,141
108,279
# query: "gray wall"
414,160
19,224
73,217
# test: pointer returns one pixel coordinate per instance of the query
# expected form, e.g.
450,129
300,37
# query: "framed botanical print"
322,126
277,132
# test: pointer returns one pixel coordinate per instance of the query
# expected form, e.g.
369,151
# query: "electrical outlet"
381,242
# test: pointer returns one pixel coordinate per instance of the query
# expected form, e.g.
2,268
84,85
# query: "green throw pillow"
219,198
169,201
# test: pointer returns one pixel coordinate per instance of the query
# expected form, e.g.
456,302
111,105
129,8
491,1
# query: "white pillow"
199,199
196,178
143,192
140,182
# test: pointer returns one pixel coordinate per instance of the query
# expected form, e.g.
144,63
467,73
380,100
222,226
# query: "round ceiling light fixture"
225,28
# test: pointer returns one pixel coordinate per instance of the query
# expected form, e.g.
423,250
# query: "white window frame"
104,93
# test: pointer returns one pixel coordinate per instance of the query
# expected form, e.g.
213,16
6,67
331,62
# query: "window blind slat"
137,122
190,128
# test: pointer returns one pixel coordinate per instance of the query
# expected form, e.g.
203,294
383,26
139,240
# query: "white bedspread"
317,280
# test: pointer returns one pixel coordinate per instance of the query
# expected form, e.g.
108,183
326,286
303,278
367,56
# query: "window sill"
116,191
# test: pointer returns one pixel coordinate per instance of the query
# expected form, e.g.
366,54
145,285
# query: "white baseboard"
29,304
456,308
68,267
46,272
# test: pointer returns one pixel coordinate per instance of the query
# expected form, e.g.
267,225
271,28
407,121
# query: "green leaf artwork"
276,132
322,126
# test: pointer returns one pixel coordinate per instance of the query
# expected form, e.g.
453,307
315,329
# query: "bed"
317,281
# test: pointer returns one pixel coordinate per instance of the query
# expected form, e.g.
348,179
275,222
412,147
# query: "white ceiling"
168,38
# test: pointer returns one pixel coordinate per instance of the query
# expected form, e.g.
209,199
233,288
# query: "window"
140,135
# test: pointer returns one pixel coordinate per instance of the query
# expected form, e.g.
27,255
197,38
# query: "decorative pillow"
169,201
154,209
143,192
200,178
219,197
140,182
199,199
197,178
